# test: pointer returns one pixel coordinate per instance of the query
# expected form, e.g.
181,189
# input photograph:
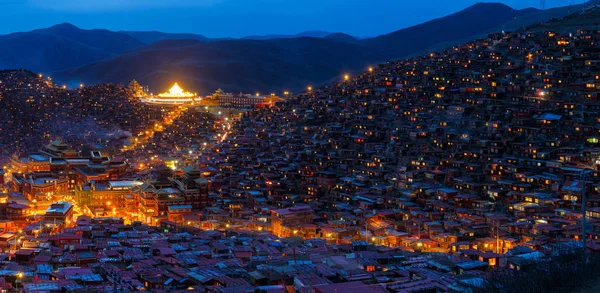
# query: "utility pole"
583,212
366,227
497,240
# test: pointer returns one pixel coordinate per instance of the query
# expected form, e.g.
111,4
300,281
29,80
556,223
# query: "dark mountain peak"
528,10
496,7
64,26
62,46
313,34
462,25
167,43
154,36
483,7
341,37
309,34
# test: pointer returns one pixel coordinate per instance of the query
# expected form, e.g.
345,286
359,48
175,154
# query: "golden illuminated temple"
176,96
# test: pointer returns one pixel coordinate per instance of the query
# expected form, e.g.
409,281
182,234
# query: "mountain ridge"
235,65
85,60
60,47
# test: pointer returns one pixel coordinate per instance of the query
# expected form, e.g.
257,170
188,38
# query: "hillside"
527,18
474,20
34,110
93,56
588,19
236,65
279,62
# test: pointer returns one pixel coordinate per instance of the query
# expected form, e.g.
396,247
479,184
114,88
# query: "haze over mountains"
254,63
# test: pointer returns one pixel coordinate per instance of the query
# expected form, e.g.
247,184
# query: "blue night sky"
236,18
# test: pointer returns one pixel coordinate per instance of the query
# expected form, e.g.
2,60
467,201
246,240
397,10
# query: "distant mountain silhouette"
149,37
60,47
311,34
474,20
236,65
270,62
523,18
341,37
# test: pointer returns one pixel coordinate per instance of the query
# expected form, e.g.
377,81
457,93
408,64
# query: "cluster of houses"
418,175
486,146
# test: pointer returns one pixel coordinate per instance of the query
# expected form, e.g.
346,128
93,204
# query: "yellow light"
227,225
176,91
346,77
373,239
189,223
81,85
295,231
257,94
419,244
309,88
286,93
260,228
370,69
108,203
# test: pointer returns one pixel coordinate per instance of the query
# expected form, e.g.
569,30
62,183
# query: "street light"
346,77
19,276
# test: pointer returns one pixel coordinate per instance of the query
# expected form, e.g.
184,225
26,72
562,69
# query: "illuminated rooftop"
175,96
176,91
